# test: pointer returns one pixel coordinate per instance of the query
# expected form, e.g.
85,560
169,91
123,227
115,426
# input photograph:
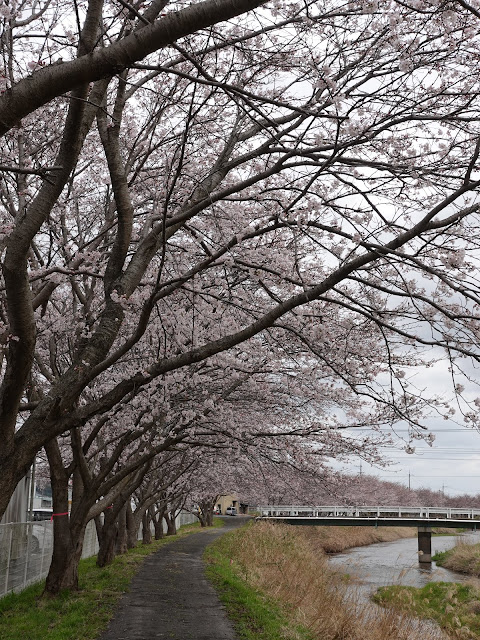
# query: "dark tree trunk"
171,526
132,528
68,531
146,533
209,518
121,545
158,524
98,528
205,511
106,553
67,552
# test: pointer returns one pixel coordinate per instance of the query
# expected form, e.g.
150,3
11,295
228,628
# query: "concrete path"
170,598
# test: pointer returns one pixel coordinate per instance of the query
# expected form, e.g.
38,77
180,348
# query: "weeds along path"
170,597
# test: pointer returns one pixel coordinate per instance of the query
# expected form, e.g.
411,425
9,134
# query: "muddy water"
396,562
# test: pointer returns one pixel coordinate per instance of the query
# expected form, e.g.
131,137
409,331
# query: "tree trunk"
121,544
171,526
209,518
98,528
106,553
158,524
202,518
132,528
205,511
146,533
68,531
67,551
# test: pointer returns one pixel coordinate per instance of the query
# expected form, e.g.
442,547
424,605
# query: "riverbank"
455,607
338,539
463,558
284,570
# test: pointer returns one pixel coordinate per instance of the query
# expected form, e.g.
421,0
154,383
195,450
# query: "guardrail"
369,512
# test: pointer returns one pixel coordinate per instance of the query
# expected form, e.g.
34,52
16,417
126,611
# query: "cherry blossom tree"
165,456
99,486
286,201
370,490
162,493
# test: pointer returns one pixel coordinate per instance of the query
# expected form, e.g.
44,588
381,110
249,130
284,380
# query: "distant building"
230,500
226,501
43,497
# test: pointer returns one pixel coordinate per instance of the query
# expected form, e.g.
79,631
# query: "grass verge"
79,615
455,607
276,585
254,615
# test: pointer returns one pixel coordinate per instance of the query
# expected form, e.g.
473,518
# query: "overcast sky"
451,464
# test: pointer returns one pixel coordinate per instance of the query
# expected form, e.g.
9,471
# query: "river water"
388,563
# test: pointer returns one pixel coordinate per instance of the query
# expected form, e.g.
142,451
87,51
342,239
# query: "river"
388,563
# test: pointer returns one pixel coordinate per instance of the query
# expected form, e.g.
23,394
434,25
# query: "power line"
433,430
434,448
419,458
441,476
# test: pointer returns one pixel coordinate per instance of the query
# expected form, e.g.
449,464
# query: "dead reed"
337,539
464,558
289,565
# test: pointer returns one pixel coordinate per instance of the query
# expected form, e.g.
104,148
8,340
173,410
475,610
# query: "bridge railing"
369,512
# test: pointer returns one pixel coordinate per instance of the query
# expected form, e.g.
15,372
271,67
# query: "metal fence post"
7,568
43,549
29,539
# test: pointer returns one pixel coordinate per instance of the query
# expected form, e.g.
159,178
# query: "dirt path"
170,597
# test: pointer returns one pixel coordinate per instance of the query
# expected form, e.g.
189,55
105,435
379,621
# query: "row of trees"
230,229
155,493
369,490
105,469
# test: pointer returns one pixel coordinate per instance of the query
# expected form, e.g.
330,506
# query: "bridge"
424,518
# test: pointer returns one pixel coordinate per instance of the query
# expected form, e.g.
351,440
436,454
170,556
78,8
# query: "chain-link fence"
184,517
26,551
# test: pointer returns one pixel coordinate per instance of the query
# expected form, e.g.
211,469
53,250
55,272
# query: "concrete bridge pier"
425,544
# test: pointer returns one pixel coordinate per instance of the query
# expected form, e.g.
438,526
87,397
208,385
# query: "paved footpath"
170,598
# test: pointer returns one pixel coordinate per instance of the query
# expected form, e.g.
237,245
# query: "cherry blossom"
231,229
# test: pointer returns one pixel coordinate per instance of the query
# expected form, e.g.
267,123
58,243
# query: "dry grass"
337,539
288,564
455,606
464,558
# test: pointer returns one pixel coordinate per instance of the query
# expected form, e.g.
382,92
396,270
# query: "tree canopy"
231,224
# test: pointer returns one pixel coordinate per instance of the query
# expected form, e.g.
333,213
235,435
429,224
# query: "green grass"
79,615
440,557
454,606
254,616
